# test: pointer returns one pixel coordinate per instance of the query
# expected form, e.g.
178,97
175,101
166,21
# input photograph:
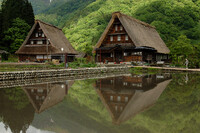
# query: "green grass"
11,58
81,63
5,68
140,70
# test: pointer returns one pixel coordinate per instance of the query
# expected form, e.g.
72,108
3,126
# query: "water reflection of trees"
18,105
16,112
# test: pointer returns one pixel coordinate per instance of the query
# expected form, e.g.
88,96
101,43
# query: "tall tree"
12,13
15,35
12,9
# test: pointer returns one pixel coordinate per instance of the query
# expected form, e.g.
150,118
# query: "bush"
4,56
81,62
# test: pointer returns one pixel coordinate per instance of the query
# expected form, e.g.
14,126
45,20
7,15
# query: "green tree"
15,35
181,49
1,29
168,32
12,9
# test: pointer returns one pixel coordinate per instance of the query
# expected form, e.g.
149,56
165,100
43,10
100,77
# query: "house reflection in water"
44,96
126,96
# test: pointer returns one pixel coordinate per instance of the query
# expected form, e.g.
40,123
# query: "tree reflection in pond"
150,103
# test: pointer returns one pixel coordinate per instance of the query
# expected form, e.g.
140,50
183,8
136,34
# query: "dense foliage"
16,34
16,19
40,6
83,21
64,13
173,19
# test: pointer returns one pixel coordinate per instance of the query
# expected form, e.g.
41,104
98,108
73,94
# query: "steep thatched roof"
57,41
141,33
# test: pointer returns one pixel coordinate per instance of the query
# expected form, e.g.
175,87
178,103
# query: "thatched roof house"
45,39
131,35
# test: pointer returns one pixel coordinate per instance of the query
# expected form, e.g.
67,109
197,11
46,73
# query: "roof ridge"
48,24
136,20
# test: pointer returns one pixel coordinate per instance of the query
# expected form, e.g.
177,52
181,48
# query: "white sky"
31,129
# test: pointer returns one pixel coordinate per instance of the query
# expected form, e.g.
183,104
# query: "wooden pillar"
113,56
122,55
97,56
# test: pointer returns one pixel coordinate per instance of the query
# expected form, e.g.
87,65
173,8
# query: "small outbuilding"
127,39
46,42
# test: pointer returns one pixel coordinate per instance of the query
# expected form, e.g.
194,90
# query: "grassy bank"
140,70
24,67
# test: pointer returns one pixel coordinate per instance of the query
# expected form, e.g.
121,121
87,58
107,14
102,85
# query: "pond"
141,103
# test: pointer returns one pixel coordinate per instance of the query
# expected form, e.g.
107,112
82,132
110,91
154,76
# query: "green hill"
63,14
83,21
40,6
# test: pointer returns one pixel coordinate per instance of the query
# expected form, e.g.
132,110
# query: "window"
126,37
119,38
111,38
116,28
45,56
42,34
121,28
39,34
40,42
36,34
111,55
32,42
111,98
125,54
39,57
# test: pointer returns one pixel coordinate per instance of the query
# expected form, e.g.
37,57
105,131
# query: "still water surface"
158,103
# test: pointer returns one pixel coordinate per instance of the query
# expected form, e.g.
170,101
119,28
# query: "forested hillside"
83,21
40,6
171,18
63,14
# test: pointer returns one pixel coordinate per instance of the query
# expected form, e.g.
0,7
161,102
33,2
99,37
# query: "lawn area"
6,67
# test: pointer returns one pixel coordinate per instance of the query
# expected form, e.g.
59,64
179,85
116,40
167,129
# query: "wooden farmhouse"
127,39
46,42
126,96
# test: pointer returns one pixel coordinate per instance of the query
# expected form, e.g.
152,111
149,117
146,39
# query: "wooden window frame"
111,38
119,38
116,27
126,38
121,28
